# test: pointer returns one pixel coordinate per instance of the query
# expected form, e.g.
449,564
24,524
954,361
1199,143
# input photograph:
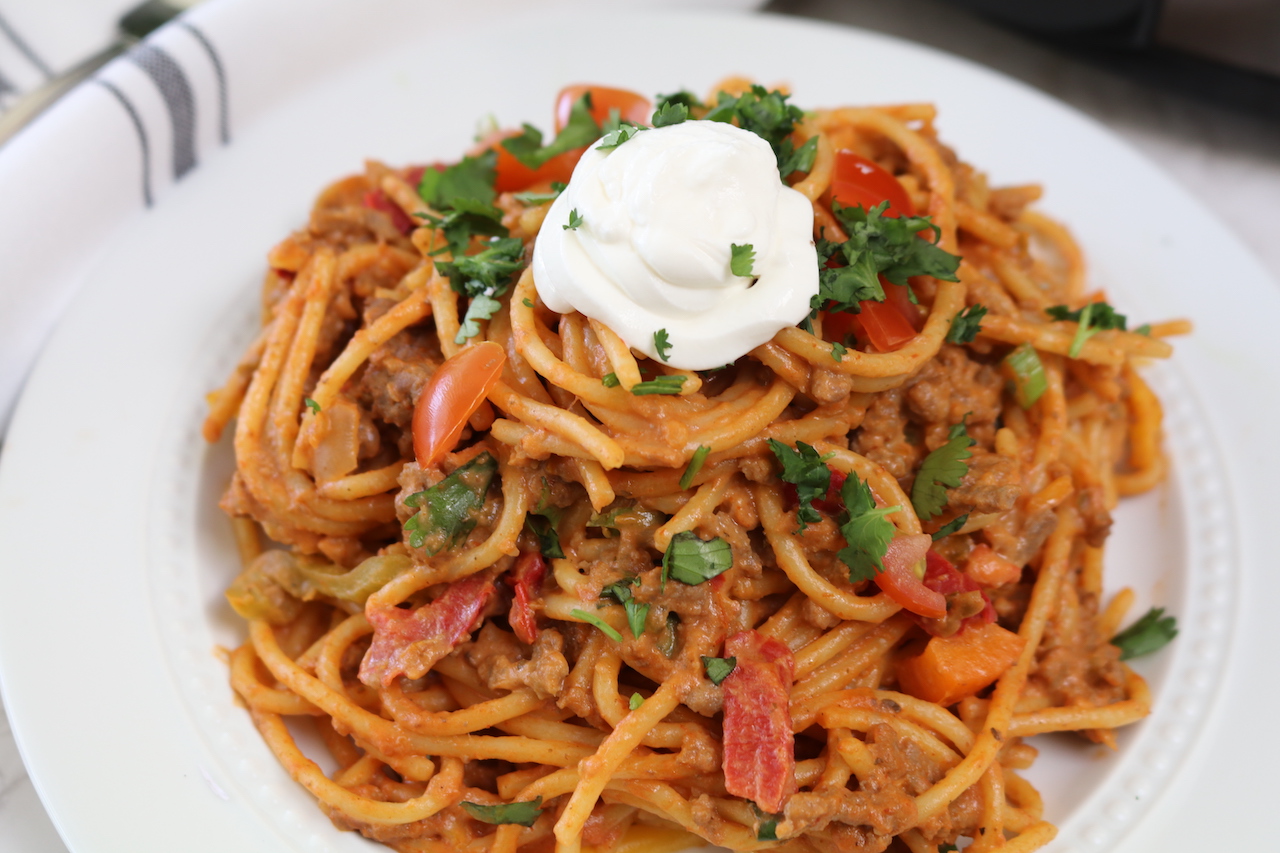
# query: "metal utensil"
133,26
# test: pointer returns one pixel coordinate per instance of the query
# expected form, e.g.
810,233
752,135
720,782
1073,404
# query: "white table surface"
1229,161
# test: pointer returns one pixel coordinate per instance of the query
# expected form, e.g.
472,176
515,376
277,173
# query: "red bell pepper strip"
409,642
526,581
759,747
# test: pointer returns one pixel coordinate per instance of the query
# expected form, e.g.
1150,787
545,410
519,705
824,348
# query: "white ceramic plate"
112,553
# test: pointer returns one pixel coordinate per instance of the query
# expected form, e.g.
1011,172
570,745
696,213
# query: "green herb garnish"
312,405
951,526
718,669
662,344
694,466
660,385
966,325
866,532
523,814
604,626
575,221
690,560
1091,319
807,470
448,511
1150,633
942,469
742,259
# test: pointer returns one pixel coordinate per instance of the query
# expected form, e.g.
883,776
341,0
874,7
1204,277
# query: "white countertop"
1229,161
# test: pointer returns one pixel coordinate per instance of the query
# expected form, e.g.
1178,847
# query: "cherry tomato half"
899,581
631,107
451,396
514,176
859,181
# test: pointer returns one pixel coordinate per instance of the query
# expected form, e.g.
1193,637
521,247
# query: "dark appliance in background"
1226,52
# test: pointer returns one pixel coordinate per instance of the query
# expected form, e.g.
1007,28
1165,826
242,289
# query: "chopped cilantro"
805,469
618,135
951,526
669,113
604,626
526,303
579,131
767,828
312,405
1150,633
483,276
542,522
1091,319
448,510
636,701
838,350
942,469
866,532
792,159
470,180
718,669
661,344
688,100
691,560
1144,329
637,613
766,114
694,466
610,380
966,325
575,221
541,198
523,814
659,385
878,245
742,259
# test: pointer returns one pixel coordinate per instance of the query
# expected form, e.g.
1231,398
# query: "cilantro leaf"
951,526
618,135
636,701
581,130
767,828
966,325
768,115
448,510
805,469
472,179
896,251
866,532
688,100
942,469
1150,633
690,560
542,522
659,385
838,350
1144,329
718,669
610,380
489,271
661,344
482,307
694,466
637,613
575,221
532,198
669,113
312,405
604,626
742,259
1091,319
483,276
792,159
524,814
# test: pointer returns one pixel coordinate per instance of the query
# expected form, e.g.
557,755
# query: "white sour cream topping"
659,215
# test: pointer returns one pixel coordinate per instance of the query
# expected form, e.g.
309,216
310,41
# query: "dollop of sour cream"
659,215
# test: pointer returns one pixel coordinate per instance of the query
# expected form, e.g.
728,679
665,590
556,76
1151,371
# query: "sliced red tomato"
451,396
526,580
949,582
859,181
514,176
899,581
630,106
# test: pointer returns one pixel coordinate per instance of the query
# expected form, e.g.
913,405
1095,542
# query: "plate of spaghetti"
679,461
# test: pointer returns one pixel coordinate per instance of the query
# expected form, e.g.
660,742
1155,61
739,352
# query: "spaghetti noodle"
582,616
